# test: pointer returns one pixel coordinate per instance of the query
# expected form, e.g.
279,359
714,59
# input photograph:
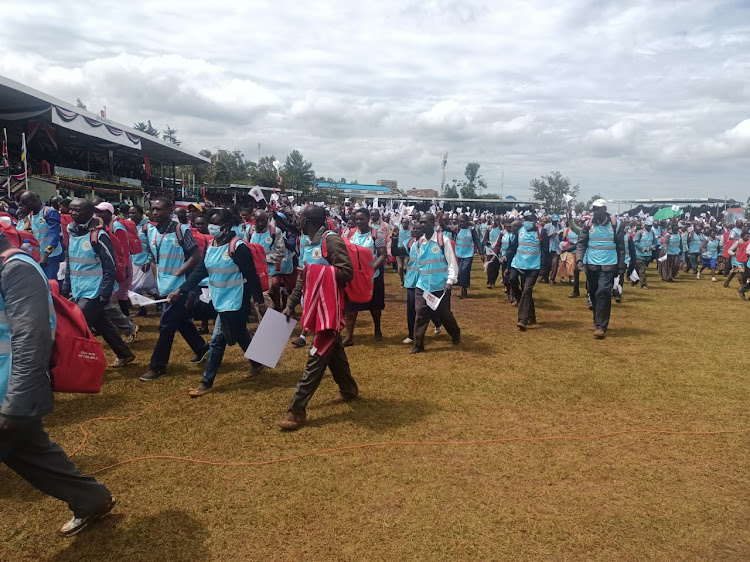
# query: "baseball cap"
599,203
104,206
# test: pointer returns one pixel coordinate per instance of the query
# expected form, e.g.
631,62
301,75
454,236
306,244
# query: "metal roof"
17,97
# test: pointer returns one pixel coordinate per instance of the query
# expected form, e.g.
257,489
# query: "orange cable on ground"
374,445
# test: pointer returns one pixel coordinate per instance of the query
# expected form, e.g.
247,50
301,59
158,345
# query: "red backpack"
17,237
359,289
134,242
77,363
259,259
122,255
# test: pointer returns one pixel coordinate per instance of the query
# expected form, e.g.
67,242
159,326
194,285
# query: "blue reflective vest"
412,267
267,240
432,265
657,235
144,257
529,253
644,241
505,243
712,248
447,234
286,266
495,233
169,256
224,276
464,243
313,254
366,240
674,244
40,230
602,249
483,228
85,265
696,241
404,235
6,359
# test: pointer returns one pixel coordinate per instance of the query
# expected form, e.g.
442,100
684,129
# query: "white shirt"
450,256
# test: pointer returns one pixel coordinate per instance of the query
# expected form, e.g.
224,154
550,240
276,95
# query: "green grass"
673,360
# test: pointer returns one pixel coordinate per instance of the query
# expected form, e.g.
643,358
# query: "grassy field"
673,360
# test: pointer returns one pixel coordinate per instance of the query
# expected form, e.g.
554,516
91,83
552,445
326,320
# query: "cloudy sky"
627,98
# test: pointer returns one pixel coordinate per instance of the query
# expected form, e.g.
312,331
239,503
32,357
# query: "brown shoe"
200,390
255,370
599,334
521,325
340,399
292,421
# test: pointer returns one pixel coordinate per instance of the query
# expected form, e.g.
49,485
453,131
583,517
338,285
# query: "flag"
257,194
23,147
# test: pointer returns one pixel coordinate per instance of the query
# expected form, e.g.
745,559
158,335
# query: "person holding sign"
438,271
234,283
327,350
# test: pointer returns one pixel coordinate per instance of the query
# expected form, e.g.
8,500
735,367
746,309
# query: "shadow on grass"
269,378
171,535
77,408
376,414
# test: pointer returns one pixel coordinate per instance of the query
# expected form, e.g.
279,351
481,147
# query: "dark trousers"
315,369
640,267
554,262
96,317
493,271
411,311
600,288
175,318
34,457
523,281
576,281
425,314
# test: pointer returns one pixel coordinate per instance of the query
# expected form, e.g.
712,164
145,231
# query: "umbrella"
667,213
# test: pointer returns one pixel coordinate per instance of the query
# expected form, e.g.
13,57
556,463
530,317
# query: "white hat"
599,203
104,206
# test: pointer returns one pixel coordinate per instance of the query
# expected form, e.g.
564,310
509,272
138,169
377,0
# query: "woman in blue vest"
234,284
525,255
673,246
709,253
371,238
175,255
601,250
490,239
403,237
467,241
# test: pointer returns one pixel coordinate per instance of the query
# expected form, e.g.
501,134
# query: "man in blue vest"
645,243
90,275
175,254
550,253
44,223
234,284
404,235
467,241
491,238
601,250
26,338
313,225
525,255
438,272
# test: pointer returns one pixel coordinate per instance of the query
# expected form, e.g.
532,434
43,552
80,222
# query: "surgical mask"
214,230
528,225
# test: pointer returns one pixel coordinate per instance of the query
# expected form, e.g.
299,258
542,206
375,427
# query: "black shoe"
574,295
299,342
200,358
417,349
457,339
154,374
521,325
142,313
741,293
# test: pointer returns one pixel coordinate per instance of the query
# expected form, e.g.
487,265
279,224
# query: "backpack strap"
374,234
180,235
8,253
232,245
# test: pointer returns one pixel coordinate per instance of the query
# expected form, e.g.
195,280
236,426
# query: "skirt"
378,296
464,272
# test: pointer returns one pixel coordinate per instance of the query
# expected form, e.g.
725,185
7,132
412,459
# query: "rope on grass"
380,444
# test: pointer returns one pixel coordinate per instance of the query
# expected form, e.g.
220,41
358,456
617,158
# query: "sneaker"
299,342
292,422
200,390
201,357
438,330
134,336
644,287
713,279
153,374
122,361
78,524
698,275
521,325
408,340
417,349
741,293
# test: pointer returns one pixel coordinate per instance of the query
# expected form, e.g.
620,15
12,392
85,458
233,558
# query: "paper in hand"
432,301
140,300
270,338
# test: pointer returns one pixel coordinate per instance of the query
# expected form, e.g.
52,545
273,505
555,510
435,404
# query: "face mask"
528,225
214,230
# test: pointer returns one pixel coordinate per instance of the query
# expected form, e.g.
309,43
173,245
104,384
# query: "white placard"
140,300
205,295
634,276
432,301
270,338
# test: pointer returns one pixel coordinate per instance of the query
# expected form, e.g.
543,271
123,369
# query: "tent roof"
17,97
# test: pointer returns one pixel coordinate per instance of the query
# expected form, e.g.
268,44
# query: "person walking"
44,223
467,242
438,272
272,241
175,253
645,243
27,331
601,251
525,254
327,351
710,253
90,275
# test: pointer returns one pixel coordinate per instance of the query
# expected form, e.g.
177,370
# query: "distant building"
390,184
356,190
427,193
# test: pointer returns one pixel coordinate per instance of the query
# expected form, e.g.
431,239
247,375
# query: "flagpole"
6,159
25,161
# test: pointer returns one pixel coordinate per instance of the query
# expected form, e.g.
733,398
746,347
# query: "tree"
551,189
297,173
451,191
149,129
80,104
263,173
169,135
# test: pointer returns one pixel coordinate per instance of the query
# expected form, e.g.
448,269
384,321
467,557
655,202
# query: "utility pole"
442,181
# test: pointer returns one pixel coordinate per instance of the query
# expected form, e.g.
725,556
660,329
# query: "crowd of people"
204,262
